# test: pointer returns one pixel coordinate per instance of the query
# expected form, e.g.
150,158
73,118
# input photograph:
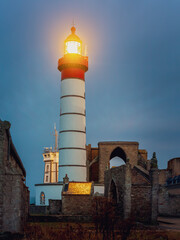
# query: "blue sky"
133,82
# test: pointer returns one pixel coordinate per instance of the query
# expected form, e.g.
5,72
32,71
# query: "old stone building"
122,172
133,185
77,198
137,186
14,195
130,182
169,189
98,159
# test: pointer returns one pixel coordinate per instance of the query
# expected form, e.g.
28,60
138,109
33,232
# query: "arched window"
47,168
42,198
117,158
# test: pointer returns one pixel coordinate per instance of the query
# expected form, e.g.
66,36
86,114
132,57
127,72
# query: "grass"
87,231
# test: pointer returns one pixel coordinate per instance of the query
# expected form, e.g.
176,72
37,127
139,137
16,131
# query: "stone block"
55,206
76,205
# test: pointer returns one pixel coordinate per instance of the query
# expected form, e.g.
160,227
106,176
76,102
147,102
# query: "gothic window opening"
117,157
42,198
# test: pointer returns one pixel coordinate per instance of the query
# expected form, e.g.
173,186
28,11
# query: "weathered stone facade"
138,188
98,159
105,150
161,187
76,204
55,206
14,195
118,188
134,191
92,163
169,189
77,198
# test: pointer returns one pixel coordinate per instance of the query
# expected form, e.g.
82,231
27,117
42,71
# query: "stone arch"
117,157
113,192
42,198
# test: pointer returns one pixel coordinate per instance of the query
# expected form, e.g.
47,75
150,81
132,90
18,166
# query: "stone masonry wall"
14,197
163,176
133,190
154,176
121,176
105,150
141,204
163,201
140,196
174,202
92,170
169,200
77,205
174,166
14,204
163,195
55,206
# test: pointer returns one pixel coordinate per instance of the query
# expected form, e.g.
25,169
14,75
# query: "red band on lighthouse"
72,73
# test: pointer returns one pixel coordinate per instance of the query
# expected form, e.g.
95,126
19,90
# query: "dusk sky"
132,85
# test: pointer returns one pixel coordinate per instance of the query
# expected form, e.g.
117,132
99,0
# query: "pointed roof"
73,36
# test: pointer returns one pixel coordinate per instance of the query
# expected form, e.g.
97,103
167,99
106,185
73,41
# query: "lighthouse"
72,134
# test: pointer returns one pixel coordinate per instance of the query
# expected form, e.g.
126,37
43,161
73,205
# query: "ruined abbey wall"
14,195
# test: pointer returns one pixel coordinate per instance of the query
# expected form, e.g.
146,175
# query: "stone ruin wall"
169,196
140,197
14,198
105,150
136,194
77,205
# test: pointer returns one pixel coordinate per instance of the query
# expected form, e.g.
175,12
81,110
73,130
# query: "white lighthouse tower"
72,148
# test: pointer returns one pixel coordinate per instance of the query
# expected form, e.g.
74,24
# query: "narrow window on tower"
47,169
46,178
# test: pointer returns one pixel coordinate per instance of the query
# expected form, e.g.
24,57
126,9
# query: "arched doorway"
117,157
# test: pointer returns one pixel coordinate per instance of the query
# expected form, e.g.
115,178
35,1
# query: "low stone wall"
174,202
169,204
38,210
169,200
77,204
60,218
163,201
55,206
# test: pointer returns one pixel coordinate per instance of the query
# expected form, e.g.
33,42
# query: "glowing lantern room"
73,44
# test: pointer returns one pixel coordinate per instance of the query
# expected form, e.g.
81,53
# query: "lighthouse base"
75,173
